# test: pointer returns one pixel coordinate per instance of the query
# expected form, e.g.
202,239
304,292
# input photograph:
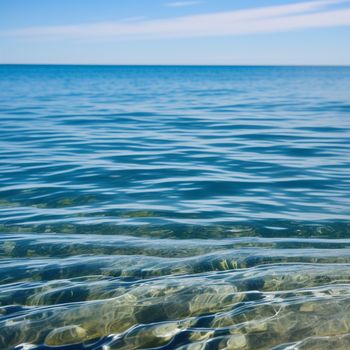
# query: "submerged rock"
66,335
236,342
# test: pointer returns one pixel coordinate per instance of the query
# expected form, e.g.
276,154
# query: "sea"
174,207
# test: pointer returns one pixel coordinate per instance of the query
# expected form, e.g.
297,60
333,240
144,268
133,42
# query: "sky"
203,32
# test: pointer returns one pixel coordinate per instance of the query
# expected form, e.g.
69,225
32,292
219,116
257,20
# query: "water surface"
174,207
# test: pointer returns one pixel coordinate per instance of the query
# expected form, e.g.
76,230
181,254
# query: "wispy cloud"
301,15
182,3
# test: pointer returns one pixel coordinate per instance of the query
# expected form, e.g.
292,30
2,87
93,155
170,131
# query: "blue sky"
175,31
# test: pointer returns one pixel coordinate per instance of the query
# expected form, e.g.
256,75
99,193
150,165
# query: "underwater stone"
237,341
256,326
307,307
66,335
166,330
8,247
151,336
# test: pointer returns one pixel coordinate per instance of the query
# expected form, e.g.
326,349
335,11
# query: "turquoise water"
174,207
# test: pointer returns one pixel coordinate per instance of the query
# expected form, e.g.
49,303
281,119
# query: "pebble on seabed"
66,335
236,342
307,307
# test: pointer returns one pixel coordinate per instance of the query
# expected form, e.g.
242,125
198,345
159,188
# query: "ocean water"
189,208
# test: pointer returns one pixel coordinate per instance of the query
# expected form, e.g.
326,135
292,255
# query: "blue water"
116,181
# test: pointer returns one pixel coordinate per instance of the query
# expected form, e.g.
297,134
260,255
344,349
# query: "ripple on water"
190,208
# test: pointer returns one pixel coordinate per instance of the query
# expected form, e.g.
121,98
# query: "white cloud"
311,14
182,3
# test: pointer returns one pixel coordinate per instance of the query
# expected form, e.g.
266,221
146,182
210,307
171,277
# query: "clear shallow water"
174,207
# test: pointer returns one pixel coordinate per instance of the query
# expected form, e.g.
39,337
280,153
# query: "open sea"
187,208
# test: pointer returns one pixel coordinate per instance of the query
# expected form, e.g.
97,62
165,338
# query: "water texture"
189,208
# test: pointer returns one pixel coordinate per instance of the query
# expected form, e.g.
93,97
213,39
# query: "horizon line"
175,65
